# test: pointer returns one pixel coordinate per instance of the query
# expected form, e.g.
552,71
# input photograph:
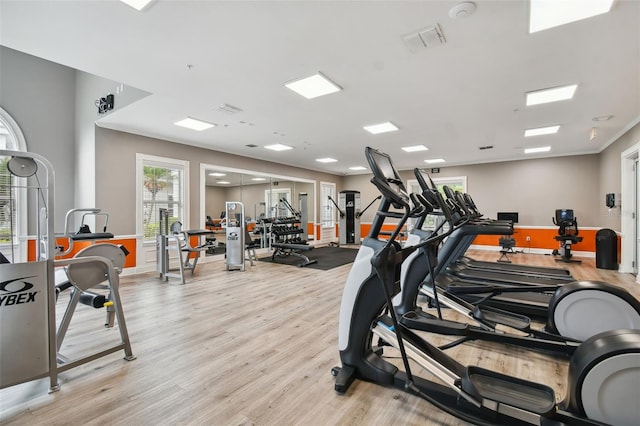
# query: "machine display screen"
512,216
563,215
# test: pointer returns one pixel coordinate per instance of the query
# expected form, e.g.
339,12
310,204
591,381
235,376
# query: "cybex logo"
16,292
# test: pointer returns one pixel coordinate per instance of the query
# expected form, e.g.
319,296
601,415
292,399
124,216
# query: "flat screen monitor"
564,215
512,216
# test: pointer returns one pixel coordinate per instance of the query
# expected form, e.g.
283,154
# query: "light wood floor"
246,348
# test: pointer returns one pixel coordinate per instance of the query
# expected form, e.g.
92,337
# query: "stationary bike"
567,234
603,372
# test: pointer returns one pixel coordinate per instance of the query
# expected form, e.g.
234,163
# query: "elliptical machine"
571,308
603,372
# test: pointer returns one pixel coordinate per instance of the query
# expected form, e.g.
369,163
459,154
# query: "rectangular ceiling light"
536,150
357,168
554,94
313,86
326,160
545,14
381,128
193,124
414,148
217,174
541,131
278,147
258,179
435,161
137,4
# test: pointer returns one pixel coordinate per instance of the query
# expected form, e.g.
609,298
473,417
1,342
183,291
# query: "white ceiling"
453,98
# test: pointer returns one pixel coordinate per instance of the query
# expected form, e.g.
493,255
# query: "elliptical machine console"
603,372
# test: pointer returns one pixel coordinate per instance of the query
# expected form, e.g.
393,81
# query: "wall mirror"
264,196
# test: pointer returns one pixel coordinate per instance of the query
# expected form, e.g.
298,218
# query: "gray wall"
534,188
610,179
90,88
215,198
40,96
115,169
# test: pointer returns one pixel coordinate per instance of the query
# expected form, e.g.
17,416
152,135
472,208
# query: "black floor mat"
327,258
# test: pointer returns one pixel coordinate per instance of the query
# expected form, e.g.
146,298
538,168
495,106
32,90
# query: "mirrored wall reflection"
265,199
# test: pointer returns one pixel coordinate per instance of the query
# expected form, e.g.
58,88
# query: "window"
276,200
12,199
162,184
327,208
456,183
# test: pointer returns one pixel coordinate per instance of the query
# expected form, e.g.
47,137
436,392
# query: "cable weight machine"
348,206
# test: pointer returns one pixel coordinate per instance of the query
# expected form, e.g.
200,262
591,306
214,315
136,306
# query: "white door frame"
628,205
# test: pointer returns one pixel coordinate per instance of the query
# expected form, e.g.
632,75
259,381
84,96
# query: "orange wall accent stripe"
541,239
128,243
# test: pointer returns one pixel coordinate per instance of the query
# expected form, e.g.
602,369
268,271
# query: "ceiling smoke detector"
462,10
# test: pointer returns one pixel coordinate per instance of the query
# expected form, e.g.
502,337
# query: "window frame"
19,144
326,224
146,160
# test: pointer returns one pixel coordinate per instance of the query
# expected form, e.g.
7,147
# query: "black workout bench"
285,249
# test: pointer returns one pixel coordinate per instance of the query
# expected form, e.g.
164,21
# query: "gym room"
319,212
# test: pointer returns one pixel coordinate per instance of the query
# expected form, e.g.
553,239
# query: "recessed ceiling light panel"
258,179
223,182
217,174
313,86
549,130
326,160
553,94
194,124
357,168
435,161
415,148
381,128
278,147
545,14
537,150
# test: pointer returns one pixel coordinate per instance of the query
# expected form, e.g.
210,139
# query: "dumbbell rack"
286,230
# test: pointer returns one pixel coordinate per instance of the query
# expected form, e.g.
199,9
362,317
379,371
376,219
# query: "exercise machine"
348,206
30,344
116,253
567,234
174,238
236,228
569,308
603,373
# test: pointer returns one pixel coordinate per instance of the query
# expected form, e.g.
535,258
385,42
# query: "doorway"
630,200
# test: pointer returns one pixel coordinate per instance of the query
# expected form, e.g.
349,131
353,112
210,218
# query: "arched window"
12,200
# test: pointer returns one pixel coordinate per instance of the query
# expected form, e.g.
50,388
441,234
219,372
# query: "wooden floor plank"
251,348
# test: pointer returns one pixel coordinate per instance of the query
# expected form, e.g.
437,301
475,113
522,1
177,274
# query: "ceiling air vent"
482,148
251,146
229,109
425,38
